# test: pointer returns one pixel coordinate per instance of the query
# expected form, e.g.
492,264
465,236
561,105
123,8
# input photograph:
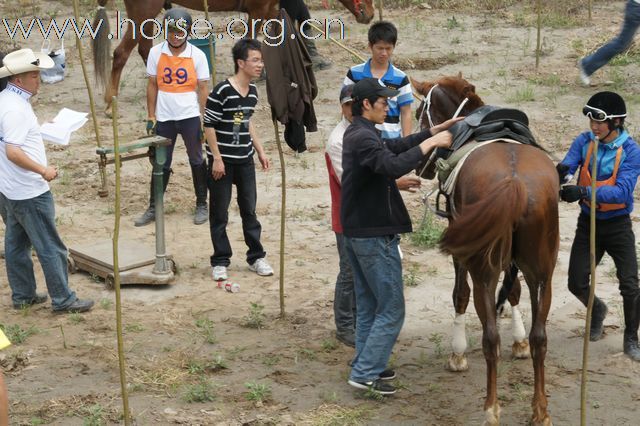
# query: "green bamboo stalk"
212,51
283,214
592,287
116,269
589,7
538,43
103,191
380,10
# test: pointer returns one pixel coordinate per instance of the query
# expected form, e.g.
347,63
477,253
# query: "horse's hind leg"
520,346
484,287
461,291
120,56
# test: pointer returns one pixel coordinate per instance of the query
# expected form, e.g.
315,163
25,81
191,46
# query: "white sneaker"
219,273
583,75
261,267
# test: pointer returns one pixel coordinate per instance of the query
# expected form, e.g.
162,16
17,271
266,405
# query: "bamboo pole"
589,7
380,10
116,270
283,214
212,50
103,191
592,287
539,4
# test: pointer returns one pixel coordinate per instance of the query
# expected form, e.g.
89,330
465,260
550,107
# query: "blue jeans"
344,304
32,223
602,56
243,176
377,273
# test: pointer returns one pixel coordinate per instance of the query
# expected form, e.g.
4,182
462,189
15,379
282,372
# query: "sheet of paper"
72,119
59,131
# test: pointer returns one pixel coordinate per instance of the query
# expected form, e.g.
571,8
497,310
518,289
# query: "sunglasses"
596,114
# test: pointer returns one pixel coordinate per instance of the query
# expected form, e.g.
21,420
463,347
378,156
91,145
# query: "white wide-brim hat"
24,60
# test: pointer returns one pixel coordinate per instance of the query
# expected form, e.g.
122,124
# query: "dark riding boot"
199,174
319,62
631,322
598,314
150,214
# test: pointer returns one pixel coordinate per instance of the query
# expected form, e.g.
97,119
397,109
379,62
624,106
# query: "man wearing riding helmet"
618,167
176,94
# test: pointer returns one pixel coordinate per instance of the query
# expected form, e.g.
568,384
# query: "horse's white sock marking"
517,327
459,338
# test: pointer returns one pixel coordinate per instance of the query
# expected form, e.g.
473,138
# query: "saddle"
485,123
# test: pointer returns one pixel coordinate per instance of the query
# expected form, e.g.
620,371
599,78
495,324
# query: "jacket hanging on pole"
291,84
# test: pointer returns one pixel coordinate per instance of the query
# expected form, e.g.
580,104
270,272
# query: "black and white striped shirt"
228,112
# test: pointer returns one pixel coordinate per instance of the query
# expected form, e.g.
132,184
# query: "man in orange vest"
176,93
618,167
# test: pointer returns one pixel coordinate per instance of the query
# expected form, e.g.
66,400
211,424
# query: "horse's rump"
492,198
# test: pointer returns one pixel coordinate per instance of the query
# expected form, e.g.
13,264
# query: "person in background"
590,64
299,12
176,93
618,167
232,142
26,202
383,36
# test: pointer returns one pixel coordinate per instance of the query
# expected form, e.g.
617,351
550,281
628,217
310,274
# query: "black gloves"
563,171
571,193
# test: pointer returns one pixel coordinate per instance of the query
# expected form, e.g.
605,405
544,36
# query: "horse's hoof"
492,416
520,350
545,422
457,362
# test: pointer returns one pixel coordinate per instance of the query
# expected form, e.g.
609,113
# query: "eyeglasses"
596,114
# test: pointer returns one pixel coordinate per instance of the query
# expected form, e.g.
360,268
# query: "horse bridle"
357,6
426,107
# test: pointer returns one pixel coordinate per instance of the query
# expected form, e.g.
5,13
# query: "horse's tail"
484,230
101,44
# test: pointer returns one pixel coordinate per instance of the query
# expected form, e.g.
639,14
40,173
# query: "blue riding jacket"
628,171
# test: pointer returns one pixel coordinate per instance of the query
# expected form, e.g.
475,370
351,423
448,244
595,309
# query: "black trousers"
297,10
613,236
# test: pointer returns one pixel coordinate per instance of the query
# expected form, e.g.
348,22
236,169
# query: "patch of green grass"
270,360
452,23
94,416
329,345
257,392
105,304
411,278
256,317
76,318
205,328
525,94
203,391
307,354
437,339
428,234
16,334
134,328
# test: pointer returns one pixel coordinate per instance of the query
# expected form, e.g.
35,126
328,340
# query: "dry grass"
332,414
73,406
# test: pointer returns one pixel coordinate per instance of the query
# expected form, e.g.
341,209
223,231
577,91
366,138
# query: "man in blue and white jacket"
618,167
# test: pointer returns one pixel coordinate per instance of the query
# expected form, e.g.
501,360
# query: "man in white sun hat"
25,199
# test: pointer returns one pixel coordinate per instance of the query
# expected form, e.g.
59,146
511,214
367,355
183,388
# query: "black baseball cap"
346,94
370,87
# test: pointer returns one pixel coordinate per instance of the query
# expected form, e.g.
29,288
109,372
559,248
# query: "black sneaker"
388,374
80,305
377,386
37,299
348,338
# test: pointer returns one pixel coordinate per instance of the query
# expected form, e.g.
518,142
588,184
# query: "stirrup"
447,202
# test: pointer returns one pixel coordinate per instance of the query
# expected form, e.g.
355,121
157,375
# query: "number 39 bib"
176,74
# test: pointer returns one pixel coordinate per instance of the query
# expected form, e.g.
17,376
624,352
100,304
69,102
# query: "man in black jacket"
372,215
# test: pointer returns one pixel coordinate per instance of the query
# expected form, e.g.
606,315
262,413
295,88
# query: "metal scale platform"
138,262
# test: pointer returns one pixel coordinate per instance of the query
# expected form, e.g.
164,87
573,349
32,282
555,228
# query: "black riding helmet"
605,106
178,18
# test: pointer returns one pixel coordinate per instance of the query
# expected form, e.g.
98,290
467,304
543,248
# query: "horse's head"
445,98
361,9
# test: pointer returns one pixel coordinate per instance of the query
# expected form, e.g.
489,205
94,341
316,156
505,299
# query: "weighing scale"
138,262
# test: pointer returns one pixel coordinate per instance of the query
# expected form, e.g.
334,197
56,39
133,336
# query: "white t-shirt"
19,127
178,106
334,146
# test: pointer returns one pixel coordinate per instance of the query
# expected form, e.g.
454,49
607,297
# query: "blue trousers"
623,40
377,273
31,223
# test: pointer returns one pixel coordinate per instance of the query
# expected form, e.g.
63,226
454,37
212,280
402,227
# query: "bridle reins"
426,107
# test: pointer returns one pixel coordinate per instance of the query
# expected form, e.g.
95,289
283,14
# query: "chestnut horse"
140,10
506,213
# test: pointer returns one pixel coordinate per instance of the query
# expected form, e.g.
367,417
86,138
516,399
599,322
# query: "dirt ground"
189,341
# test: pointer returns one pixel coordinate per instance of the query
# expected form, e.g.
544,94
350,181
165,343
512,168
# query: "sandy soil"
65,372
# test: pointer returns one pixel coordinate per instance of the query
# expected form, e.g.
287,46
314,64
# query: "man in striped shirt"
382,40
231,143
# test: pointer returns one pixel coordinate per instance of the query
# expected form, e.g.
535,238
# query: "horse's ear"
460,74
422,88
